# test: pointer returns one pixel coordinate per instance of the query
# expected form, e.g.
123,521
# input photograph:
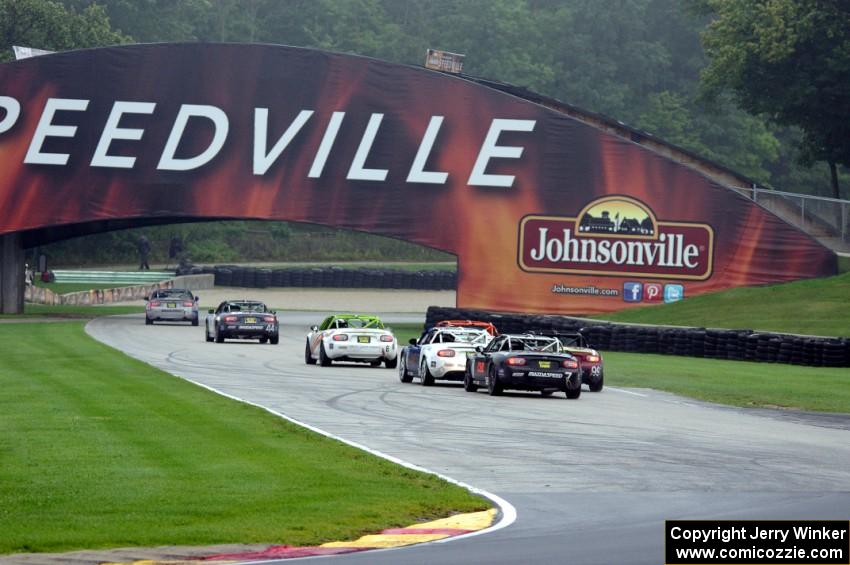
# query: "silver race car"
172,305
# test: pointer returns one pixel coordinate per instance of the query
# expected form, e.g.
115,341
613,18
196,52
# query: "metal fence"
820,216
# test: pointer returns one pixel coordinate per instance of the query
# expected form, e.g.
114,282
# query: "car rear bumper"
247,331
587,375
452,371
531,380
357,351
179,314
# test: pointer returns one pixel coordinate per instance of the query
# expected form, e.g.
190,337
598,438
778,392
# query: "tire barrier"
709,343
326,277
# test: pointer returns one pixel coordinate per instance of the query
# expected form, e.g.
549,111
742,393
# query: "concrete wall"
39,295
194,282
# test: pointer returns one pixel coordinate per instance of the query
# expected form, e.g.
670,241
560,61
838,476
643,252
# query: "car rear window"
173,294
365,323
248,307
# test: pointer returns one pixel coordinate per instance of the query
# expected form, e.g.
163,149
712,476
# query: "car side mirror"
197,298
211,311
478,349
314,328
147,298
412,341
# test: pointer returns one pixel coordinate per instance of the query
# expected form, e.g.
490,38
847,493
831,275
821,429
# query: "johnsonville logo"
616,235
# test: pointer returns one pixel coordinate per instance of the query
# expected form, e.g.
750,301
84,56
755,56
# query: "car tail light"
592,358
446,353
340,337
230,319
188,303
155,304
386,338
570,364
269,319
516,361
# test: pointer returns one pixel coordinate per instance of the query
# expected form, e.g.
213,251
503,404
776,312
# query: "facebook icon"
632,291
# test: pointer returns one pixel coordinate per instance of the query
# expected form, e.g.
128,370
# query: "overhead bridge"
506,180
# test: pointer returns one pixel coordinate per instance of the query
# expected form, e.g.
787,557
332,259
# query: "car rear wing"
489,327
567,339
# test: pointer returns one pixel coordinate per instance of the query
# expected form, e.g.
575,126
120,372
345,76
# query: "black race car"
242,319
523,362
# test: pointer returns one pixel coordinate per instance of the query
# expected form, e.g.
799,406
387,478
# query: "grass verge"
68,311
100,450
813,307
738,383
403,332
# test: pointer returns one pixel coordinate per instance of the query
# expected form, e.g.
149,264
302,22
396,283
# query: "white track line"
507,511
627,392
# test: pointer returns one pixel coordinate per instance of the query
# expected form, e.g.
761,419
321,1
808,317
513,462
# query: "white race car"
440,353
351,337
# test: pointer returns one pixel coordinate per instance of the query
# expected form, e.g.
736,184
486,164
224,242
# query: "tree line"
711,76
759,86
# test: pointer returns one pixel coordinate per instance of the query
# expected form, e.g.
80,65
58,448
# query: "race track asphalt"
592,480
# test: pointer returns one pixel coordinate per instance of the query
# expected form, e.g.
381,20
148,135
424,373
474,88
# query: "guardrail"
112,277
710,343
820,216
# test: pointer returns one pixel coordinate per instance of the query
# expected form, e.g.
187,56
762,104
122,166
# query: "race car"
523,362
242,319
440,353
351,337
487,326
171,304
592,373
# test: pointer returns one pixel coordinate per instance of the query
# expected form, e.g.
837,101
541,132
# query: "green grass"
403,332
813,307
738,383
66,288
68,311
99,450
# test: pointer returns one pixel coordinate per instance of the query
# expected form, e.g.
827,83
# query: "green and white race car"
351,337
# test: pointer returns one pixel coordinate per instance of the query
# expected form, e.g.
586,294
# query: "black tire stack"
223,276
328,277
738,345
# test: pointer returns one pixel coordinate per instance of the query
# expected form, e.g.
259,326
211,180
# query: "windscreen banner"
544,213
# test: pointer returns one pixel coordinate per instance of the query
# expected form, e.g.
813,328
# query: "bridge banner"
545,213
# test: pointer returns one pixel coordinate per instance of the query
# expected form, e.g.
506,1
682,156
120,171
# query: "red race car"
592,372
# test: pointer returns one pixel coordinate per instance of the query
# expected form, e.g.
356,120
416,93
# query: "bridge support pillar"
11,274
